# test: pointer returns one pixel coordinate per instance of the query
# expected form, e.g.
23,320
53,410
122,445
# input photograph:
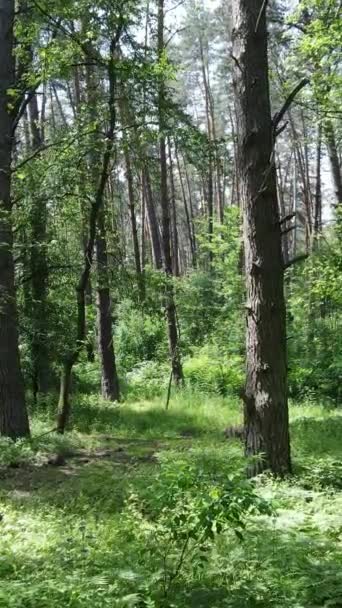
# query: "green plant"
190,510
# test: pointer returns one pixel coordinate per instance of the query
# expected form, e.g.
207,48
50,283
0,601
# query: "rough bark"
13,414
110,381
265,395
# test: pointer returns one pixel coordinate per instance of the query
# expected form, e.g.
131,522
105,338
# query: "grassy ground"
107,526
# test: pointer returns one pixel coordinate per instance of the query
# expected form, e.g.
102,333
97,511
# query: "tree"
265,394
13,415
170,307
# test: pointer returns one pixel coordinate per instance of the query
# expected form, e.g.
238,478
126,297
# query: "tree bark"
265,396
318,194
170,308
175,240
110,381
39,272
334,159
109,377
13,414
152,220
189,222
131,202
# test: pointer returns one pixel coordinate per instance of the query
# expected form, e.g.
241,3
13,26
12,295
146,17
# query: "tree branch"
296,260
278,117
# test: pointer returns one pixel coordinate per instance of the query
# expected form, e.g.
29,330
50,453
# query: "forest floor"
84,517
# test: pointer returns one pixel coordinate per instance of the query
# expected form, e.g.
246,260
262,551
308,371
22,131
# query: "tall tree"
13,415
265,395
109,376
41,372
170,306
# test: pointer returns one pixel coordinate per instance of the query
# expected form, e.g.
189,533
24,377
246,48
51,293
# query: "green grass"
91,533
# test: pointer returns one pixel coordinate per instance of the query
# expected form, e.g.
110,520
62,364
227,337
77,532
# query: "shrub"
147,380
210,372
140,336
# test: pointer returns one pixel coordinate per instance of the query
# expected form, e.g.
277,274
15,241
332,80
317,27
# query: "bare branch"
287,218
281,129
296,260
278,117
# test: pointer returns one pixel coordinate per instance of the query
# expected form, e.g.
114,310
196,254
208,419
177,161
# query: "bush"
140,336
147,380
210,372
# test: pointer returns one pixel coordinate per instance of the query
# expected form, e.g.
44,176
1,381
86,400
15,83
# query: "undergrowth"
151,508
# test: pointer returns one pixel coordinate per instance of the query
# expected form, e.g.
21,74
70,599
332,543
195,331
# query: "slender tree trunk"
175,243
187,214
13,414
152,220
72,358
334,159
84,214
266,407
131,203
39,272
318,194
109,377
170,307
191,208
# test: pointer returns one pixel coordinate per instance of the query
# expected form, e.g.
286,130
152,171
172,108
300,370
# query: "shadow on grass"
152,423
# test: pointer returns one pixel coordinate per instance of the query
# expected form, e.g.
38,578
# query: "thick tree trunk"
13,414
170,308
110,381
39,272
266,407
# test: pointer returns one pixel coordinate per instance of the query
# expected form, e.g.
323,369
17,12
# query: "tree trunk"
13,414
152,220
266,407
187,214
175,241
318,194
109,377
72,358
39,272
110,381
170,308
131,202
334,160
